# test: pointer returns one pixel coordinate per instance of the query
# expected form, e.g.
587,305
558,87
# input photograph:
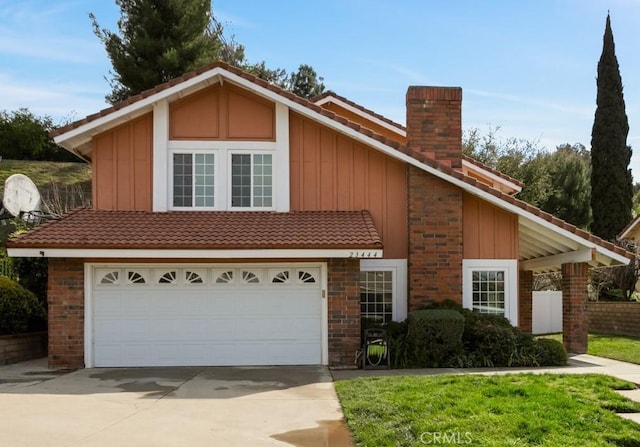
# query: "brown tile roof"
438,165
93,229
333,94
481,165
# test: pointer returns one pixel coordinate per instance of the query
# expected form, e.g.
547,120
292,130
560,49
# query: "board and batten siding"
222,113
331,172
121,165
489,232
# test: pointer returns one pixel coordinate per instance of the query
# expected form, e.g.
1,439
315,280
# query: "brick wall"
434,122
344,311
66,313
21,347
435,240
615,318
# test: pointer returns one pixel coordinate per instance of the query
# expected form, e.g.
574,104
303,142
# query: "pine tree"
306,82
611,181
158,40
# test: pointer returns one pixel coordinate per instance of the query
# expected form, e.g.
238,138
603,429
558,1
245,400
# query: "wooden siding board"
250,118
344,174
222,113
103,172
295,162
489,233
336,173
124,174
122,167
196,116
327,189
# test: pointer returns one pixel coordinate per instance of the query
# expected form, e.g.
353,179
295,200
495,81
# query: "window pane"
488,292
376,290
182,180
262,180
204,180
240,180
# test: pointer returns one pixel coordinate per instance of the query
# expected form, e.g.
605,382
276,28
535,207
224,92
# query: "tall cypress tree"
611,181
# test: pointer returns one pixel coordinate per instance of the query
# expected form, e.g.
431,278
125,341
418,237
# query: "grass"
512,410
44,173
616,347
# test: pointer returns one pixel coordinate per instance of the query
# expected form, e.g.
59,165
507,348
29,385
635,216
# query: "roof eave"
363,252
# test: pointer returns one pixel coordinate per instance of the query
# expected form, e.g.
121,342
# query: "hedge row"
446,335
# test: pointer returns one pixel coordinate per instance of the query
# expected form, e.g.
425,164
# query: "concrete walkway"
577,364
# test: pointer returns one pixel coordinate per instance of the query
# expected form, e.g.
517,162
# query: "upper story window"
251,180
193,180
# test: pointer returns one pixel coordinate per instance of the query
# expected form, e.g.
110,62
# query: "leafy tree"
557,182
306,82
636,199
277,76
25,136
521,159
611,181
157,41
569,198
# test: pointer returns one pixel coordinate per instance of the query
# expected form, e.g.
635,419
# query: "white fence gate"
547,312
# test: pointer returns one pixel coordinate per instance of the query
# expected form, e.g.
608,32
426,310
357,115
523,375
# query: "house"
234,223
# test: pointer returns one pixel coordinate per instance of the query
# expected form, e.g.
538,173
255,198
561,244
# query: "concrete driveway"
239,406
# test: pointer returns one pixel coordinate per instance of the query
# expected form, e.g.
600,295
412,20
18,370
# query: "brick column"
66,313
575,319
344,311
525,301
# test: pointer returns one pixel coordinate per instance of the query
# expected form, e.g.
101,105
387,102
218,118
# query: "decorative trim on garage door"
118,277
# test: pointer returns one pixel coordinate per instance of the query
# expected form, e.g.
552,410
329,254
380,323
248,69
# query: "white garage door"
206,316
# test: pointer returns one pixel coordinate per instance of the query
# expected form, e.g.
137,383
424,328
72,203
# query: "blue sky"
526,66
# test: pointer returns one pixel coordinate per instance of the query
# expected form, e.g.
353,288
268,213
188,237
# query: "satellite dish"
21,196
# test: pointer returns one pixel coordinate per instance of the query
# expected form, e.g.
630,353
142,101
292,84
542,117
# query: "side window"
490,287
376,296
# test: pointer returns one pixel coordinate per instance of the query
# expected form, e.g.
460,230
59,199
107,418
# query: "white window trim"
274,161
510,268
398,268
216,182
163,164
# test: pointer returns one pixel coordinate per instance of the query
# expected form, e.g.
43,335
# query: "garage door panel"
209,323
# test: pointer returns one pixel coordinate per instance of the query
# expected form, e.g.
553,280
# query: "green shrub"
32,273
434,336
20,310
549,352
398,346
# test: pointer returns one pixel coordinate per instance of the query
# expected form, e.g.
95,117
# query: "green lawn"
617,347
512,410
44,173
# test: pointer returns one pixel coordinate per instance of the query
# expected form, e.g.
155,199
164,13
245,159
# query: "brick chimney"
434,123
434,205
